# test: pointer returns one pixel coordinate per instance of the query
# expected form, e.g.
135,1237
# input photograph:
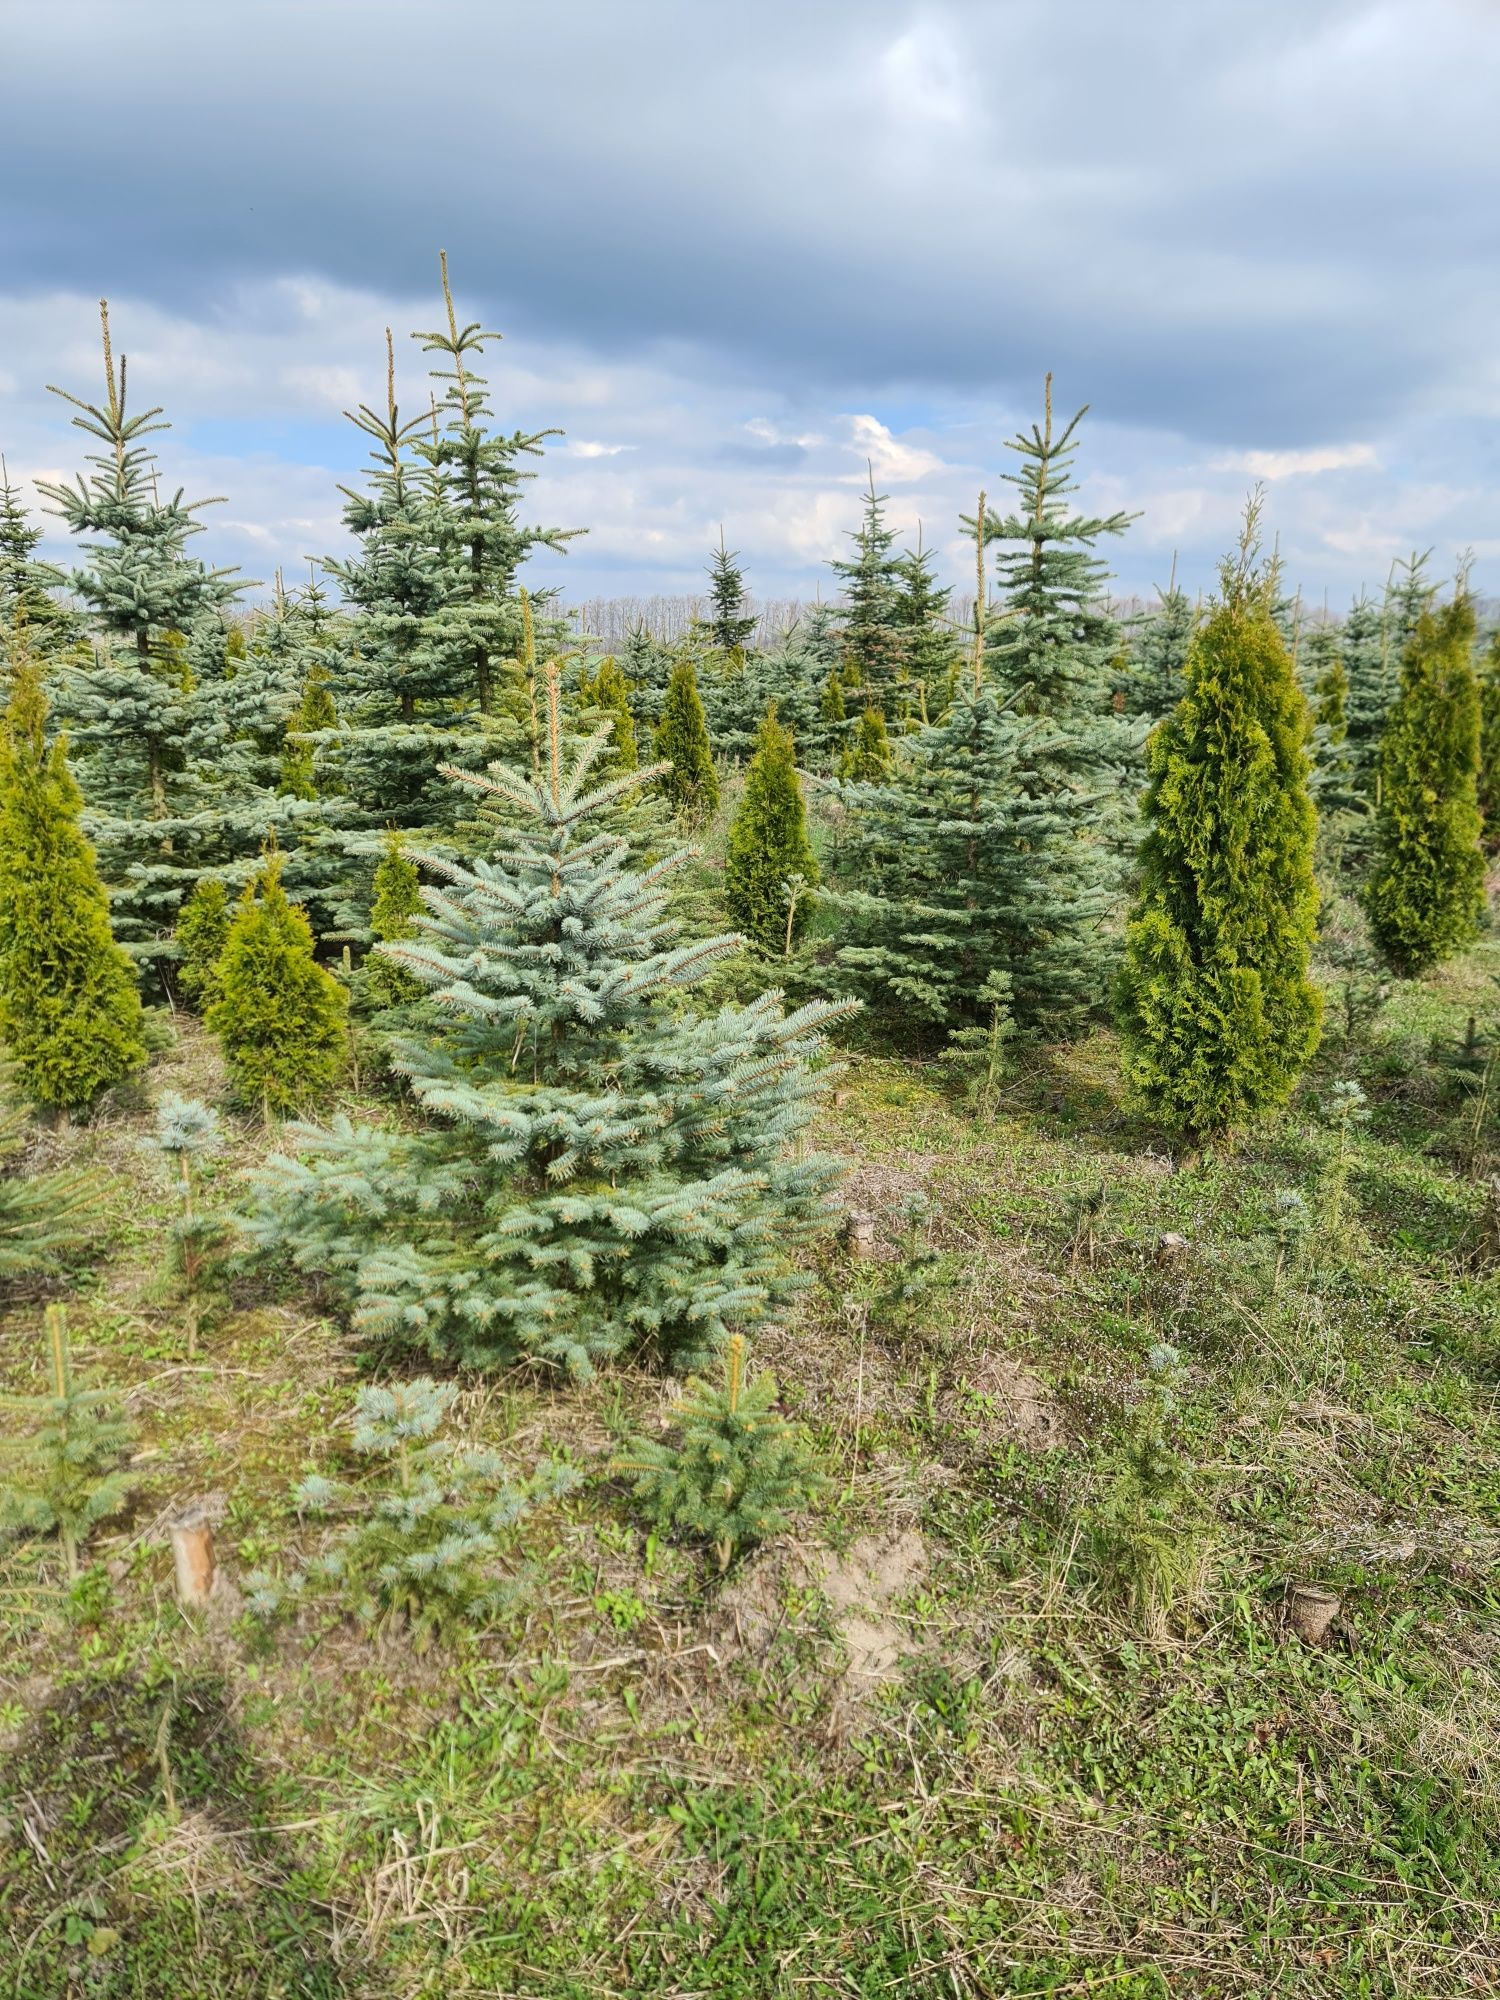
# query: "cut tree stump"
191,1527
1310,1612
859,1235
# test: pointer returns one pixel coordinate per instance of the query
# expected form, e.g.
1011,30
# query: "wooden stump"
191,1527
859,1235
1310,1612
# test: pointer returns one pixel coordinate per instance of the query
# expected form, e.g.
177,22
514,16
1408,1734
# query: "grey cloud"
1255,225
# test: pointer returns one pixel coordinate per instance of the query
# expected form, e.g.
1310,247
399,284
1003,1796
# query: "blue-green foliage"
426,1541
596,1167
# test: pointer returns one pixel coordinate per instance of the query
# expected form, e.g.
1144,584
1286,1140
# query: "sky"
742,250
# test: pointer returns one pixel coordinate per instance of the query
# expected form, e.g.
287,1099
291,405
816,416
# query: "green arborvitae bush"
280,1017
41,1215
201,934
1426,894
737,1470
313,716
70,1015
606,694
426,1543
1218,1012
64,1471
769,861
593,1165
1489,744
689,784
868,758
398,902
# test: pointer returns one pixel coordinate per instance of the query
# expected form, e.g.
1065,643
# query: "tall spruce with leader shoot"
594,1168
169,765
1217,1008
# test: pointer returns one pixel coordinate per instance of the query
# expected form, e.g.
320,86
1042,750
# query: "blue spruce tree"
595,1168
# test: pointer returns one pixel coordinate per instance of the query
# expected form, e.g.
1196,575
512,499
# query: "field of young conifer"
752,1313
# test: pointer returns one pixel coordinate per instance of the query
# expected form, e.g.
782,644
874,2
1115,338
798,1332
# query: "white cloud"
1291,464
889,458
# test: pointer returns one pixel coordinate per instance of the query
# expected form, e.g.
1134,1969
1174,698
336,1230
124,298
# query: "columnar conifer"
769,861
1426,894
201,935
689,783
1218,1012
279,1016
70,1015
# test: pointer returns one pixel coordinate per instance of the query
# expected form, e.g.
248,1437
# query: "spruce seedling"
426,1539
67,1473
187,1132
736,1471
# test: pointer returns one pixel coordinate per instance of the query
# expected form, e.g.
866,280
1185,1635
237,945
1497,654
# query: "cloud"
1288,464
1261,243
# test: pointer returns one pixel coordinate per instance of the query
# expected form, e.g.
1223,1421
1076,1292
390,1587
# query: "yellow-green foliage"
1426,894
608,691
769,860
689,784
1217,1009
868,758
398,900
279,1016
314,712
70,1015
202,932
1489,744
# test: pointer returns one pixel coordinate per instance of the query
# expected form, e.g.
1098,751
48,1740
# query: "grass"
1101,1765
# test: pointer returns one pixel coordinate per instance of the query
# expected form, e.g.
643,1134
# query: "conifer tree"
868,758
595,1168
168,763
1051,641
1371,689
201,935
605,693
1050,647
279,1016
689,782
1489,743
869,621
965,898
737,1470
769,860
1331,782
66,1471
1158,654
479,476
1217,1008
70,1015
729,623
930,651
41,1215
1426,894
393,914
27,586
